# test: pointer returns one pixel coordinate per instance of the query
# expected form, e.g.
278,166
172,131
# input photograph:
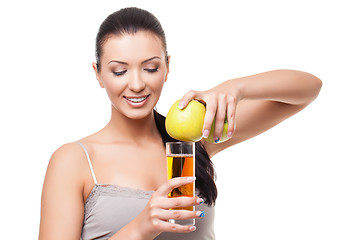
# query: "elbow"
314,86
309,84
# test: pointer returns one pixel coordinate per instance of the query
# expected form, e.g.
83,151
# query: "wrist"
136,232
131,231
139,231
236,88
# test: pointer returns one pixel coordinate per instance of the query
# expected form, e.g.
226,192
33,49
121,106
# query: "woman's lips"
136,101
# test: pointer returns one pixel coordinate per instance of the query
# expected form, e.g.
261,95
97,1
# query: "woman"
113,184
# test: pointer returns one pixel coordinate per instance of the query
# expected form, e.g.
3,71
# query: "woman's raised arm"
254,104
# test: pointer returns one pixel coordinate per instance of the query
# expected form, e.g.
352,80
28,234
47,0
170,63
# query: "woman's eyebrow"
125,63
149,59
117,61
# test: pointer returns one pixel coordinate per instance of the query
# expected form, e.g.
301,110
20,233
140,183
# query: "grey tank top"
110,207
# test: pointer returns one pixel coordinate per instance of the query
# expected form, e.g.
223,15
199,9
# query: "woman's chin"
138,114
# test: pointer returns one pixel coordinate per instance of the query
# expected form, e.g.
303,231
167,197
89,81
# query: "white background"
299,180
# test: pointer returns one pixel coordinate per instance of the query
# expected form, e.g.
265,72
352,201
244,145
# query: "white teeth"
136,100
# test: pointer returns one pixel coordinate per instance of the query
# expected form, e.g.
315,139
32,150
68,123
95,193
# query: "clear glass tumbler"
181,163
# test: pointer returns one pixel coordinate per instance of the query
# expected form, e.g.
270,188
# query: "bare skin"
129,151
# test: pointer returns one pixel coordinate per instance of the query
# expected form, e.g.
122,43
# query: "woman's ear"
167,65
95,67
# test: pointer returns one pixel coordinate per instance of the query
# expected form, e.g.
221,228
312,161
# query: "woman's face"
133,72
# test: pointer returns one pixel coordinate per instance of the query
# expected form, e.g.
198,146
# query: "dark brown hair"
128,21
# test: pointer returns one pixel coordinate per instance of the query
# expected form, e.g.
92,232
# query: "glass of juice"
181,163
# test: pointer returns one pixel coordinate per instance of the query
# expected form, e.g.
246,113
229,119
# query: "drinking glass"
181,163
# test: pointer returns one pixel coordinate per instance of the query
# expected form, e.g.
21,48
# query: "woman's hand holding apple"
219,118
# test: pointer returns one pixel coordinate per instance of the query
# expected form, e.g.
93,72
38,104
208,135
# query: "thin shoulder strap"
88,158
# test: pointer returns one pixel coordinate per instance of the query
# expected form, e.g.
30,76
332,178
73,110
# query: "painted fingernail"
216,139
200,214
205,133
229,134
182,104
192,228
200,201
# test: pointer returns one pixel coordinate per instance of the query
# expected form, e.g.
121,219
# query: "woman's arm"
62,206
255,103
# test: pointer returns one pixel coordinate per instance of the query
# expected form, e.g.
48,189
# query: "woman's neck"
140,131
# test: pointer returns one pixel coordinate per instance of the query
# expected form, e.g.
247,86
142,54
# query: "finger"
187,98
211,108
180,214
180,202
165,188
220,117
231,110
165,226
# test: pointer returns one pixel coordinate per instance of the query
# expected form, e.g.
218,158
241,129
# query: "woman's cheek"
113,90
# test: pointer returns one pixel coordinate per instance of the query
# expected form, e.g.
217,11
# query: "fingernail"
182,104
191,179
200,214
205,133
229,134
200,201
192,228
216,139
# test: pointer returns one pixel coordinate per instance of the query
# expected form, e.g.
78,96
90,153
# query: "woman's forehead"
138,46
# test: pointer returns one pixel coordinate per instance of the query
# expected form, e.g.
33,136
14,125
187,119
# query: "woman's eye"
120,73
151,69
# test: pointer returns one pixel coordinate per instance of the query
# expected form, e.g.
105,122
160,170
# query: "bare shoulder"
67,154
67,162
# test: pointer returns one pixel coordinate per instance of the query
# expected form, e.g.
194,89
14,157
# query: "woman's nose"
136,82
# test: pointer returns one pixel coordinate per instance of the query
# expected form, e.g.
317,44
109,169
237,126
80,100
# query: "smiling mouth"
137,99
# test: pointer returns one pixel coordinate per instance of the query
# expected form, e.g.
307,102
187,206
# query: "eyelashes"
120,73
150,70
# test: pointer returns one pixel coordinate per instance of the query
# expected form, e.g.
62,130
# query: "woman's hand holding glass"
153,220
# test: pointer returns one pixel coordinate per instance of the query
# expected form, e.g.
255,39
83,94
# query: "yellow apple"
187,124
